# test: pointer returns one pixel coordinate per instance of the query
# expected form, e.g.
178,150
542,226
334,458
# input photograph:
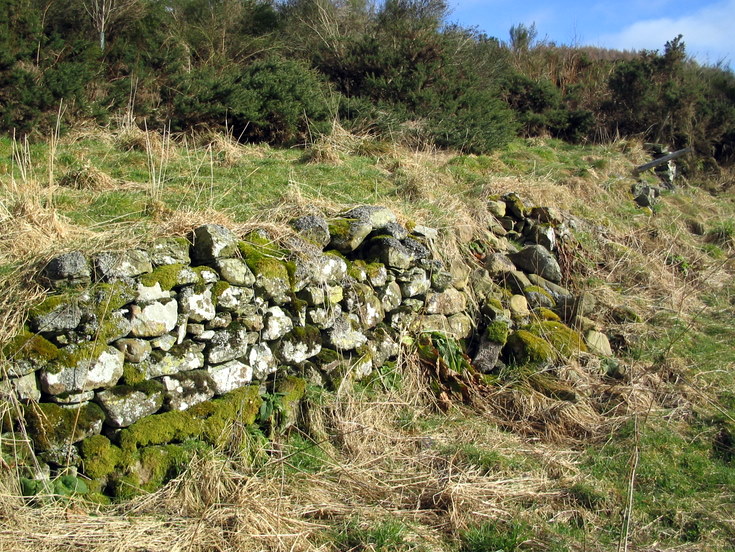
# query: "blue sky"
708,26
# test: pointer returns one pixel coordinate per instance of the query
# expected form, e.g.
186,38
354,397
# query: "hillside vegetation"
640,458
282,72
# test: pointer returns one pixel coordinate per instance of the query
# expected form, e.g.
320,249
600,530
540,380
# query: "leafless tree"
105,13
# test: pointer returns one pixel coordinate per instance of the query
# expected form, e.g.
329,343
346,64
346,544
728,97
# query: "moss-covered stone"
240,407
551,387
539,295
523,347
100,456
111,297
133,373
56,313
546,314
160,429
562,338
167,276
497,332
291,389
27,352
52,426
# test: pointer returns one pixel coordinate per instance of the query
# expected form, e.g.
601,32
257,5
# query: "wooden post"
660,161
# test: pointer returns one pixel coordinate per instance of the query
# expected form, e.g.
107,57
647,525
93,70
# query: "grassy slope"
517,471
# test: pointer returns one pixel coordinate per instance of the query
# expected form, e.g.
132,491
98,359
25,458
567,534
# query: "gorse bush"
396,69
273,100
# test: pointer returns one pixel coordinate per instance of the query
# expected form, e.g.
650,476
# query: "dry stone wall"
136,358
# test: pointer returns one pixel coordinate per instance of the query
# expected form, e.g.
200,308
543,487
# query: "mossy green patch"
240,406
50,304
564,339
166,276
497,332
340,228
291,389
160,429
218,289
30,346
100,456
551,387
50,425
112,296
72,356
539,290
527,348
547,314
134,373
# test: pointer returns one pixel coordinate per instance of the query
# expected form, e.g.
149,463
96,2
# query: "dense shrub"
273,100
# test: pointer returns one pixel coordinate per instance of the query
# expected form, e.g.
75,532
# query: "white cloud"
708,33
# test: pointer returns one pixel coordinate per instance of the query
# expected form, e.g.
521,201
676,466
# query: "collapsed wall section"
137,359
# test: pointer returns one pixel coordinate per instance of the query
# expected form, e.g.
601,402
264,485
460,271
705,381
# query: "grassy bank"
640,459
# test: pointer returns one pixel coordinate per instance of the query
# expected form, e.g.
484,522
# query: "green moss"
340,228
73,355
546,314
166,276
50,425
100,456
49,305
527,348
149,387
112,296
240,406
540,290
291,390
562,338
218,289
495,304
112,328
133,373
30,346
497,332
160,429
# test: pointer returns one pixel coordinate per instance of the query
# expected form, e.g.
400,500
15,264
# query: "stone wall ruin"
137,359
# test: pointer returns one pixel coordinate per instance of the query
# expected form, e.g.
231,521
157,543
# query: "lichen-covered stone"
389,251
56,313
153,319
180,358
276,324
211,242
147,294
230,375
347,234
537,260
323,317
557,292
185,389
417,249
460,325
543,234
390,296
298,345
498,264
413,282
447,302
82,368
496,208
440,280
164,342
342,336
67,270
227,344
361,299
515,206
24,387
123,404
262,360
518,305
312,228
54,426
598,343
28,352
171,276
198,305
487,355
232,299
538,297
169,251
235,271
123,264
67,399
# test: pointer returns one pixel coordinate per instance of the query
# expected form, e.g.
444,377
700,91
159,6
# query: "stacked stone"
126,335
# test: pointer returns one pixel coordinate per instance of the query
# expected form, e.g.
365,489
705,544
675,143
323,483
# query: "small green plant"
495,537
379,536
